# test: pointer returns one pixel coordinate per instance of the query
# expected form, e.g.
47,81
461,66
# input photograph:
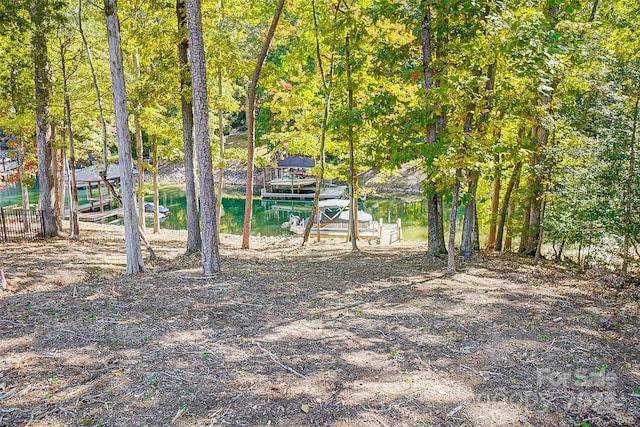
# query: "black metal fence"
17,225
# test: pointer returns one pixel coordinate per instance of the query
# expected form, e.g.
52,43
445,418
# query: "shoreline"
407,181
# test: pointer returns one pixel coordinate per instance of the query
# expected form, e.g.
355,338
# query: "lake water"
267,215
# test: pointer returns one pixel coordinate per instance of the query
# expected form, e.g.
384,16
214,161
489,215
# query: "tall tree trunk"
74,225
221,153
140,166
436,245
251,124
156,190
353,201
469,225
220,131
513,180
194,239
540,134
43,117
508,238
94,77
326,86
451,260
135,263
628,212
139,145
22,176
495,203
57,166
210,254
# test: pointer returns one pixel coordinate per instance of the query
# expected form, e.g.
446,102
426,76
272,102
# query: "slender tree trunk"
510,218
135,263
506,202
140,166
353,201
540,134
451,260
222,162
74,225
105,159
539,246
194,239
22,176
631,176
326,85
436,245
469,225
139,146
221,132
43,117
210,254
156,191
495,203
58,180
251,124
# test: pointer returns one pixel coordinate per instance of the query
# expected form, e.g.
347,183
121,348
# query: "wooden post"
100,197
399,224
4,225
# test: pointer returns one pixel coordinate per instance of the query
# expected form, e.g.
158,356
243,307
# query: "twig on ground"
550,345
82,337
454,411
246,303
272,357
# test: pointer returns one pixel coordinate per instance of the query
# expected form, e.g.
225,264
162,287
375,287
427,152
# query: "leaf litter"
315,335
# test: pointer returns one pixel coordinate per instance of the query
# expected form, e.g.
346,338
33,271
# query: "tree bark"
326,86
251,123
74,225
353,200
495,203
94,77
140,166
221,132
57,166
22,176
43,117
469,225
628,208
156,190
436,245
451,260
221,153
135,263
210,254
194,239
506,202
540,134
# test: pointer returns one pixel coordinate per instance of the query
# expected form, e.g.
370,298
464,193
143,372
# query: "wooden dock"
327,192
383,234
100,216
95,211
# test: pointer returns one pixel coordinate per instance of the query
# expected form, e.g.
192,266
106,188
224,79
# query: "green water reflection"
267,215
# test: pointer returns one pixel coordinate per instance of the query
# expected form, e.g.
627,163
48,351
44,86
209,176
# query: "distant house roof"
92,173
296,162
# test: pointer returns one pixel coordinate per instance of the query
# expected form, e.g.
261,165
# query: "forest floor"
315,335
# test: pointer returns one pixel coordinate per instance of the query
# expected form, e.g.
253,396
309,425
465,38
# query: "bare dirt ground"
309,336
